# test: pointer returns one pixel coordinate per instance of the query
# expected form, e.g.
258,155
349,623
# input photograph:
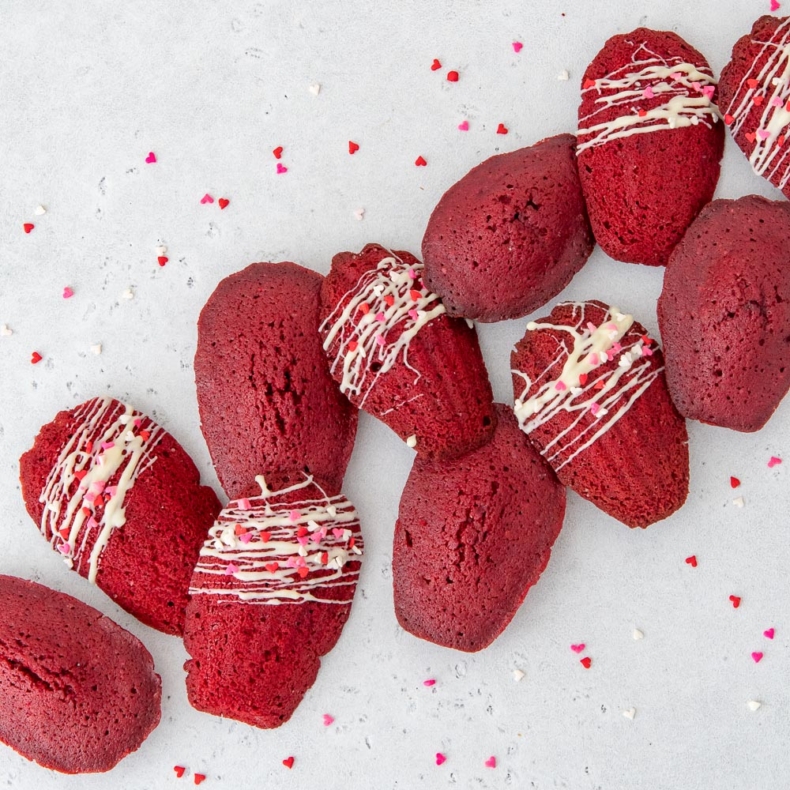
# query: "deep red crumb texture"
473,536
618,441
78,691
437,387
510,234
643,190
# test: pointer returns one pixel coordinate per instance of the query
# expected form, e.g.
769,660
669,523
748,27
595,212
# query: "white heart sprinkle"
128,294
6,330
753,704
637,634
517,675
412,441
39,210
563,76
359,214
738,501
161,250
630,713
315,88
96,349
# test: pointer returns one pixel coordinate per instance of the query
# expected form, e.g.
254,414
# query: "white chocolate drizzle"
375,322
263,551
576,383
81,509
769,156
686,88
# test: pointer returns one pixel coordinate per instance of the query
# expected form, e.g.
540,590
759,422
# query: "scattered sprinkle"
518,675
328,719
96,348
769,633
464,126
692,560
352,147
420,162
588,83
314,88
180,770
281,168
775,5
452,76
751,136
517,46
67,292
491,762
28,226
288,762
563,76
412,441
39,210
161,249
207,198
440,758
429,682
586,662
128,294
231,569
6,331
151,158
736,601
630,713
728,119
200,778
774,461
757,656
278,152
578,648
35,358
436,65
223,203
738,501
162,260
637,634
502,129
734,482
753,705
359,214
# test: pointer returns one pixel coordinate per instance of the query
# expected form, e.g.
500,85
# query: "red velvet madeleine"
649,143
510,234
396,353
754,106
266,399
473,535
591,395
77,692
270,596
121,502
724,314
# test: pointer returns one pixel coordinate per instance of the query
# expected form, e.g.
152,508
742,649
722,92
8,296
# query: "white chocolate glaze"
81,509
375,322
263,551
769,155
575,382
687,91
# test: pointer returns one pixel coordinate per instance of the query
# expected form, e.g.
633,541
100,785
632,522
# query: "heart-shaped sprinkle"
648,92
491,762
289,762
67,293
734,482
303,539
294,515
452,76
692,560
28,226
223,203
151,158
753,705
752,83
758,100
231,569
328,719
736,601
206,199
708,91
352,147
420,162
414,314
642,113
774,461
352,345
436,65
464,126
303,572
64,548
763,134
502,129
751,136
776,102
630,713
588,83
179,769
586,662
728,119
364,308
429,682
35,358
389,299
278,152
757,656
775,5
64,532
162,260
281,168
440,758
578,648
769,634
272,567
246,537
381,318
517,46
200,778
337,532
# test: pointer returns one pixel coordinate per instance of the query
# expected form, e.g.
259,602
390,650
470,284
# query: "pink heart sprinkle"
491,762
414,314
337,532
594,408
206,198
64,548
380,339
67,293
775,5
231,569
281,168
560,386
429,682
769,633
757,657
151,158
294,515
708,91
412,274
328,719
440,758
578,648
246,537
648,92
302,540
776,102
464,126
517,46
380,317
676,75
244,504
774,461
696,86
763,134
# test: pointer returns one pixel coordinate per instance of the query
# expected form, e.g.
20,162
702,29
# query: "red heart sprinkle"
415,295
692,560
588,83
289,763
583,379
452,76
239,530
728,119
352,147
502,129
752,83
301,532
179,769
303,572
758,100
223,203
352,345
736,601
80,473
35,358
265,536
436,65
365,308
278,152
64,533
146,435
586,662
151,158
325,558
28,226
599,385
751,136
389,299
420,162
734,482
272,567
162,260
642,113
199,778
780,141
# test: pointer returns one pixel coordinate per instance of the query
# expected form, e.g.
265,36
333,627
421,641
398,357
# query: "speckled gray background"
87,89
